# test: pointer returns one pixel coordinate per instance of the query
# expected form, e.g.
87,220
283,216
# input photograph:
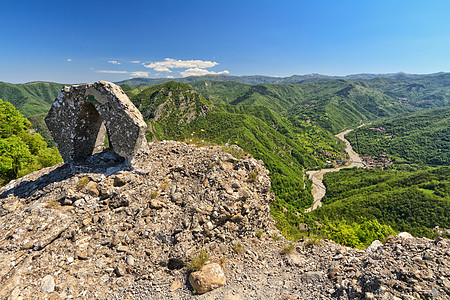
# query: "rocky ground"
103,230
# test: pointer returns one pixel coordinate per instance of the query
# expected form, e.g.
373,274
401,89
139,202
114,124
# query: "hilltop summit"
103,230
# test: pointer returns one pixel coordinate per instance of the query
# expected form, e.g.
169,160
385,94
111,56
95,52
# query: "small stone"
92,189
374,246
175,285
27,245
115,241
369,296
210,225
87,221
209,277
70,259
120,270
237,217
311,277
435,292
235,186
177,198
119,181
123,248
48,284
82,254
405,235
79,202
130,260
333,272
156,204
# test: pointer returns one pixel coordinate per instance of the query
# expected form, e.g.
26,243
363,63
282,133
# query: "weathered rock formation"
81,116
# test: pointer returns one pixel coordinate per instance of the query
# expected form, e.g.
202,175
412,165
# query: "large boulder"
210,276
81,115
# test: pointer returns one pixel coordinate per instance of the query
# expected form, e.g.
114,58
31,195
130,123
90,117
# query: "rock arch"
81,115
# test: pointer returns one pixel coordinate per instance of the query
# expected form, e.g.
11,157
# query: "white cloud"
69,59
169,76
162,69
180,64
200,72
114,62
111,72
135,61
139,74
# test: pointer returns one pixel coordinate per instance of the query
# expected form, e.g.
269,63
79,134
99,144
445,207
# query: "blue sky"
85,41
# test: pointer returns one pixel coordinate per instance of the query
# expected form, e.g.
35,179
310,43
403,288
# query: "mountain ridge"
256,79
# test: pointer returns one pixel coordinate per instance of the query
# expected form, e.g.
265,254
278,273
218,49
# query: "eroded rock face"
81,116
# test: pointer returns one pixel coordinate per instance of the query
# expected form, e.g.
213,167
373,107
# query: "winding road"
318,189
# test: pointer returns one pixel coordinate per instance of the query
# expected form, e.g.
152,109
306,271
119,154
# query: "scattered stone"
209,277
311,277
405,235
120,270
123,248
86,222
48,284
374,246
177,198
175,285
92,189
130,260
156,204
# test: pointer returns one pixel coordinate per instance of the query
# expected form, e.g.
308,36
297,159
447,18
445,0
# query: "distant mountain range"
257,79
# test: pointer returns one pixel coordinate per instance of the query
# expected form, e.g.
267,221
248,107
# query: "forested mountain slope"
419,138
408,200
30,98
21,150
333,105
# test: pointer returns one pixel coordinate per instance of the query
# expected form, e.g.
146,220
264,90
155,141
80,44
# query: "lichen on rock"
82,115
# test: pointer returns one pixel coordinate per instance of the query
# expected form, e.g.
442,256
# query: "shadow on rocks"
106,162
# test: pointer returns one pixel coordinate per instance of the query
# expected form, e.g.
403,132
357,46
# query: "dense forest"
21,150
402,197
420,138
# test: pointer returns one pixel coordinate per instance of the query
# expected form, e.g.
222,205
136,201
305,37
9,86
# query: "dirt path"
318,189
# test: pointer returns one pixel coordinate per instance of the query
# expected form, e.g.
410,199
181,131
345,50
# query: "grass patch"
53,203
276,237
238,248
313,242
259,234
82,182
288,249
196,262
153,194
253,176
